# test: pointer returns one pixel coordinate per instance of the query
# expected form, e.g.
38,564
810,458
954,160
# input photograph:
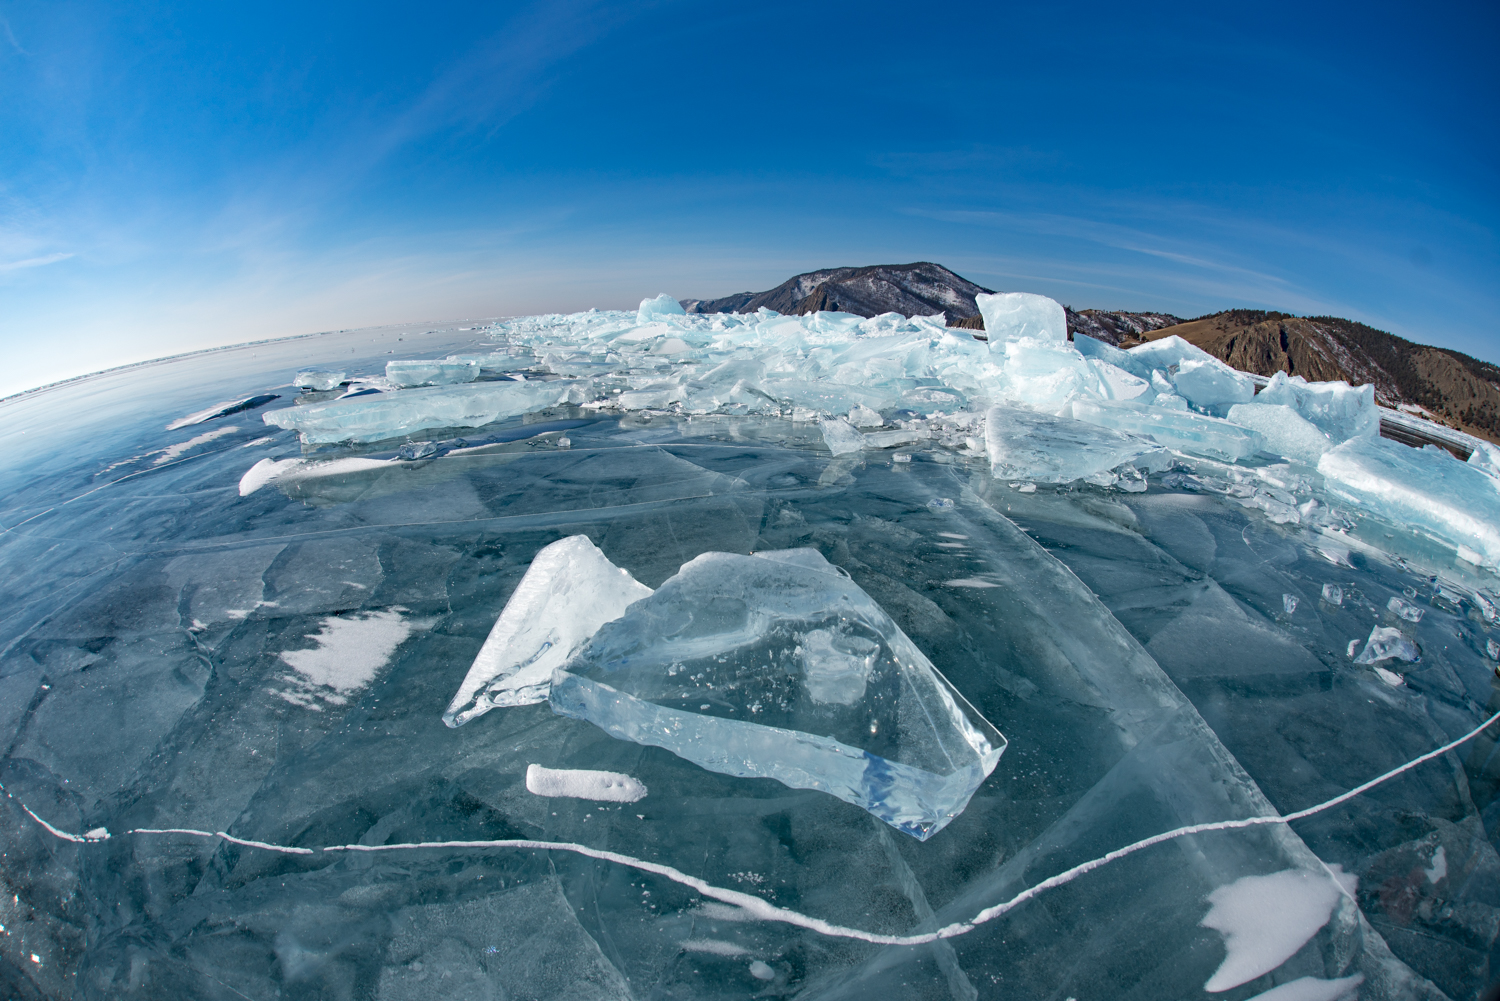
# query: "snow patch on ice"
582,783
1265,920
350,651
714,947
1312,989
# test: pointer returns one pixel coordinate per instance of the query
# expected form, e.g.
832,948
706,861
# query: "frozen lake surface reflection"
188,649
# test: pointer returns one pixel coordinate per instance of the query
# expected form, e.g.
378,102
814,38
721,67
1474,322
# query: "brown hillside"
1460,391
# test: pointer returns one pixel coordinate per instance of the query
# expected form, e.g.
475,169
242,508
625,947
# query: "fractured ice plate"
778,666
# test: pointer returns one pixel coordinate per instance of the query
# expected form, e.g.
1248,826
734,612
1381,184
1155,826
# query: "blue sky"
176,176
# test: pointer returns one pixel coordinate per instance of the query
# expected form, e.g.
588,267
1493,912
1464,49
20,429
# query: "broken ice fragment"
317,379
569,591
1333,594
840,436
582,783
863,417
1179,429
1285,431
431,373
662,305
387,415
1013,315
1341,411
1289,602
1385,643
1405,609
841,700
1389,677
1032,446
1493,649
222,410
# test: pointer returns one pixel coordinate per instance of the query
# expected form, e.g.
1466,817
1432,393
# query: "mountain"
921,289
1456,390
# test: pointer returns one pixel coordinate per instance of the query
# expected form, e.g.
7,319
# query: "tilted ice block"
1285,431
431,373
1385,643
778,666
1029,446
1341,410
1486,459
1426,489
569,591
1011,315
1044,374
1179,429
1116,383
840,436
318,379
386,415
1167,354
1208,382
1108,354
662,305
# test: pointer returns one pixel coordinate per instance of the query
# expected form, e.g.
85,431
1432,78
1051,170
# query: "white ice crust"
1266,919
568,592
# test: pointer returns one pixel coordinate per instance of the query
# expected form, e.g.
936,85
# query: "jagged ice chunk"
1286,432
569,591
778,666
1014,315
431,373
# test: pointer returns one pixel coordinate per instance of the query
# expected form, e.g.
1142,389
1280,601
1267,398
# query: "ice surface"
583,783
387,415
1386,643
318,379
1340,410
1284,430
569,591
1265,920
778,666
431,373
1422,489
1011,316
1031,446
1188,432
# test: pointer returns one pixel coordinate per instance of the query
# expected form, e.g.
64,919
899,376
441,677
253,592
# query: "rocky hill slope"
921,289
1453,388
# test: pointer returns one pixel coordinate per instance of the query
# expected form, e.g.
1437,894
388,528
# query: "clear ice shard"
1013,315
318,379
777,665
431,373
1029,446
1286,432
1425,489
1385,643
840,436
1179,429
662,305
1339,409
388,415
568,592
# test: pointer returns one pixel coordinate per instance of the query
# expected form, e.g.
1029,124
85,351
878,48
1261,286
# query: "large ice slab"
1286,432
1425,489
1014,315
387,415
1337,408
569,591
662,305
1179,429
1038,447
1197,376
778,666
431,373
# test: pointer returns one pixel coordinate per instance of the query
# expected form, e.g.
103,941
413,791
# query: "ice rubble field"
809,657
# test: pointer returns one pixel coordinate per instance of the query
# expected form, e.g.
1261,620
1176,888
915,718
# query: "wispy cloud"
33,262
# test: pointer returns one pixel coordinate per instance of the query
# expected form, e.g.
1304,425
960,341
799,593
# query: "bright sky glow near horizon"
179,176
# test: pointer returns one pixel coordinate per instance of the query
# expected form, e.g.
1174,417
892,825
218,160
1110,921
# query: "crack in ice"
763,910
